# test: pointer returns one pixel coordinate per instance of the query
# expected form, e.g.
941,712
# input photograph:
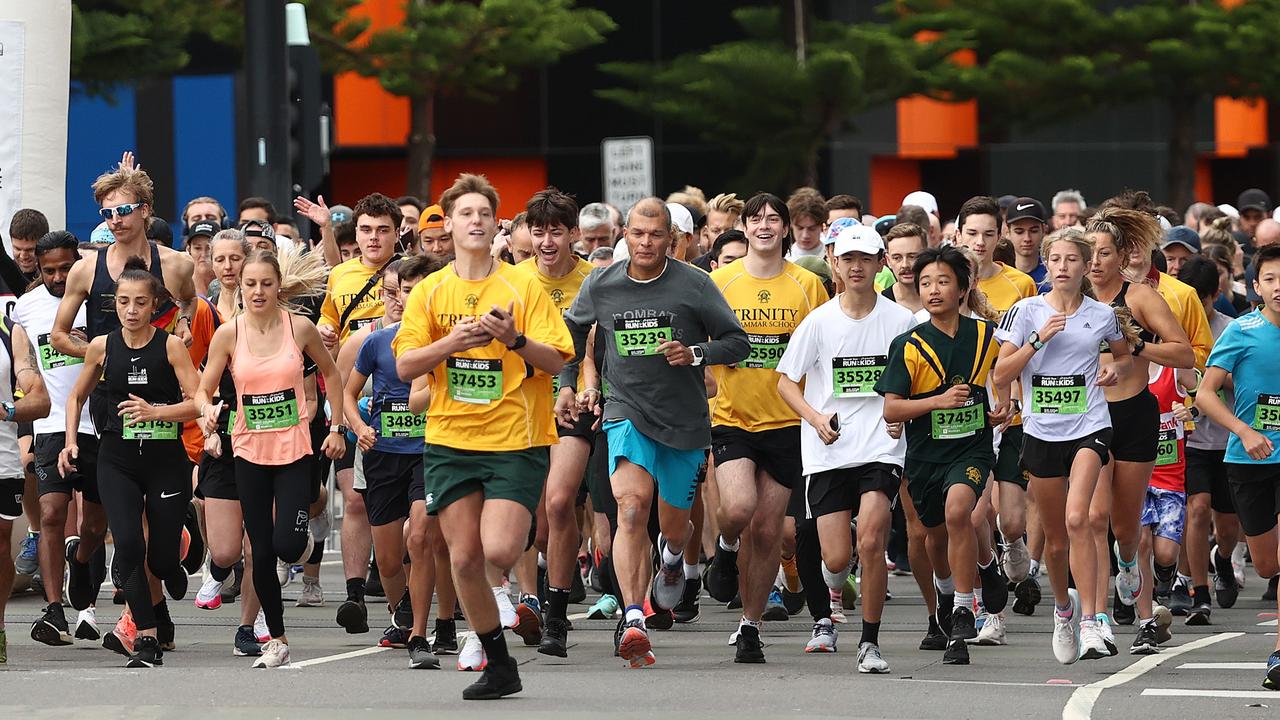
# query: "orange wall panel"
364,113
516,178
934,129
1204,180
891,179
1238,125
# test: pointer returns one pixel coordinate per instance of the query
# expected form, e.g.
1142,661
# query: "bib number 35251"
641,336
474,380
270,411
961,422
1058,394
1267,416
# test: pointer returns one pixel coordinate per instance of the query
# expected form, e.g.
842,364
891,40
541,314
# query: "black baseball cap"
158,230
1254,199
258,228
1023,208
202,228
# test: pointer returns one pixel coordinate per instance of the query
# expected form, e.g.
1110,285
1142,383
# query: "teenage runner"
656,418
852,463
1068,429
1025,224
143,470
903,245
264,348
477,326
755,435
935,380
1246,351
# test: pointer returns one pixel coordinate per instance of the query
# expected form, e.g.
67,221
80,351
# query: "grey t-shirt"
1208,434
666,403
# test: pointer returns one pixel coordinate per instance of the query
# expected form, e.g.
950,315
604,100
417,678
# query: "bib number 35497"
474,380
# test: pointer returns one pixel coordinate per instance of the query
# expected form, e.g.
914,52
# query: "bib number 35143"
961,422
641,336
1267,415
270,411
151,430
1058,394
474,380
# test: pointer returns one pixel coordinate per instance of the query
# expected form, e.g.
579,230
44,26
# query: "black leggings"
274,500
152,477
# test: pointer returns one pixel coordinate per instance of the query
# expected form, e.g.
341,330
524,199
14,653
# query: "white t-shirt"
1061,399
35,312
829,342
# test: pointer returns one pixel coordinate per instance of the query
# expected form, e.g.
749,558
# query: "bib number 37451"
641,336
474,380
270,411
1267,416
961,422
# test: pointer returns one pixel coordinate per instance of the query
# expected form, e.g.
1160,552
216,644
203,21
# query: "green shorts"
1009,458
929,483
451,475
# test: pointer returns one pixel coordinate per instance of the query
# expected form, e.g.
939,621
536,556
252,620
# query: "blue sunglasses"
119,210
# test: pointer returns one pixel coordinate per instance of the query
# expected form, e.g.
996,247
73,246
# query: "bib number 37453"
270,411
1267,416
474,380
961,422
641,336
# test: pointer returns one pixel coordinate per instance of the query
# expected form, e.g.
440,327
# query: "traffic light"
308,144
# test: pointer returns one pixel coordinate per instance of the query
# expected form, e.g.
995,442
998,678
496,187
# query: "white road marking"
1080,706
1178,692
1267,623
1223,666
993,682
339,656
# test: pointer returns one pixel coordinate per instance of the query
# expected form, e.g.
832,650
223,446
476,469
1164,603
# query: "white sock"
692,572
945,586
834,580
669,558
964,600
731,548
634,614
757,624
1035,569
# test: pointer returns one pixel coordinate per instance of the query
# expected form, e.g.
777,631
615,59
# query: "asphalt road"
1212,671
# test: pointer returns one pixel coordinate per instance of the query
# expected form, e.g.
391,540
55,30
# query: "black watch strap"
520,342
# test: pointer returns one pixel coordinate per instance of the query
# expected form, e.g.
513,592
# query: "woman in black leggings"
142,466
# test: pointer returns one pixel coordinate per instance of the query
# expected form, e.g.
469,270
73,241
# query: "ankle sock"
870,633
945,586
557,603
731,548
495,646
355,589
692,572
218,573
964,600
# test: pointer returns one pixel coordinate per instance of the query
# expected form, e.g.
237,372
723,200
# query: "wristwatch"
520,342
698,355
9,409
1034,341
341,429
1139,347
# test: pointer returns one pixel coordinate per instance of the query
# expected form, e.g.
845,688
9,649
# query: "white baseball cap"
680,217
922,199
1229,210
857,238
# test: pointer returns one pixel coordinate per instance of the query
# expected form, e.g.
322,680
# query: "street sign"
627,164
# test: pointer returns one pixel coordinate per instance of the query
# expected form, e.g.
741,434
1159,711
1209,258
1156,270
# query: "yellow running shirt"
770,310
562,289
484,398
1007,287
345,282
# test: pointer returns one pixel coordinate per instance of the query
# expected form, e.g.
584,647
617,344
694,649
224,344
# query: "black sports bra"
1117,302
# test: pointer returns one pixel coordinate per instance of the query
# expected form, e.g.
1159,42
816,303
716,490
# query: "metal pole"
267,109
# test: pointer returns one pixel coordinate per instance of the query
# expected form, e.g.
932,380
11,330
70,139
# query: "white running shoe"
1128,579
1107,633
506,611
472,658
823,640
1066,632
1016,561
312,594
260,630
993,631
1237,563
87,625
274,654
282,573
869,659
306,552
209,596
1091,645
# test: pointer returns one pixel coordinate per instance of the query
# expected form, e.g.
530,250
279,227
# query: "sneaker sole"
240,653
633,647
685,620
873,671
1144,650
953,657
662,620
437,650
135,664
820,650
528,626
211,605
990,642
1272,681
351,620
465,668
113,643
85,631
1198,618
433,664
1094,654
556,650
50,635
494,695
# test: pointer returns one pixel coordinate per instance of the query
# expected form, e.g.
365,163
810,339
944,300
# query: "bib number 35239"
961,422
270,411
1267,416
474,380
641,336
1058,394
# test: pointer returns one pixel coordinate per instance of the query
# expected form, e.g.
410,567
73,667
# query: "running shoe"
165,632
1237,564
1270,682
667,587
498,680
373,582
687,610
1164,621
147,653
176,584
231,590
870,660
963,624
735,603
773,609
446,638
957,653
1128,577
750,649
1016,561
274,654
1107,634
837,612
791,575
193,554
823,639
245,644
993,631
1091,645
1180,601
312,594
634,645
657,618
209,596
472,657
934,639
555,638
1066,632
577,589
394,637
794,602
283,573
51,628
1270,593
1200,612
353,616
420,656
849,594
1145,643
507,617
87,625
123,637
403,616
1224,584
528,622
28,560
605,608
260,630
80,590
1121,613
722,575
995,587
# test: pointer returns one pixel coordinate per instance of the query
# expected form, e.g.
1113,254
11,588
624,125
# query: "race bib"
641,336
956,423
270,411
856,376
473,380
151,430
398,422
766,350
1058,395
50,358
1167,449
1267,415
355,325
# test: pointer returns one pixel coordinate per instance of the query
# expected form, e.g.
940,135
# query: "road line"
340,656
1179,692
1080,706
1269,623
1223,666
993,682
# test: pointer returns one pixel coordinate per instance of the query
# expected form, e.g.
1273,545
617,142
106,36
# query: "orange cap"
432,218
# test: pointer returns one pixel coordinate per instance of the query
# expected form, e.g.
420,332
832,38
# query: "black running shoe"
373,583
963,624
394,637
231,590
403,616
1121,613
498,680
146,653
420,657
946,603
749,647
735,603
1180,601
246,643
195,551
934,639
722,575
793,602
995,587
80,589
1270,592
1026,596
577,590
1224,585
1146,643
353,616
555,638
446,638
1272,681
1199,613
51,628
687,611
957,653
176,584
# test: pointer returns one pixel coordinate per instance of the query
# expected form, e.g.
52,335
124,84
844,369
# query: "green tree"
448,48
773,99
1039,61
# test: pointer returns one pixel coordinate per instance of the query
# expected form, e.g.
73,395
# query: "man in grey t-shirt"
663,321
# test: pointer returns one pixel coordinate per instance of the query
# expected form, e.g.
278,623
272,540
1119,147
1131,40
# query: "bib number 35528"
1267,416
270,411
474,380
961,422
856,376
641,336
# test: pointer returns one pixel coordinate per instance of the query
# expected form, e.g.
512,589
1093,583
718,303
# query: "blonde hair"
690,195
134,181
1077,237
301,275
466,184
1218,232
1132,231
729,204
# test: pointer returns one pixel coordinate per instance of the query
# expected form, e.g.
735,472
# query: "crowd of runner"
768,403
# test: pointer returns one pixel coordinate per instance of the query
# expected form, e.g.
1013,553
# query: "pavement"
1212,671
